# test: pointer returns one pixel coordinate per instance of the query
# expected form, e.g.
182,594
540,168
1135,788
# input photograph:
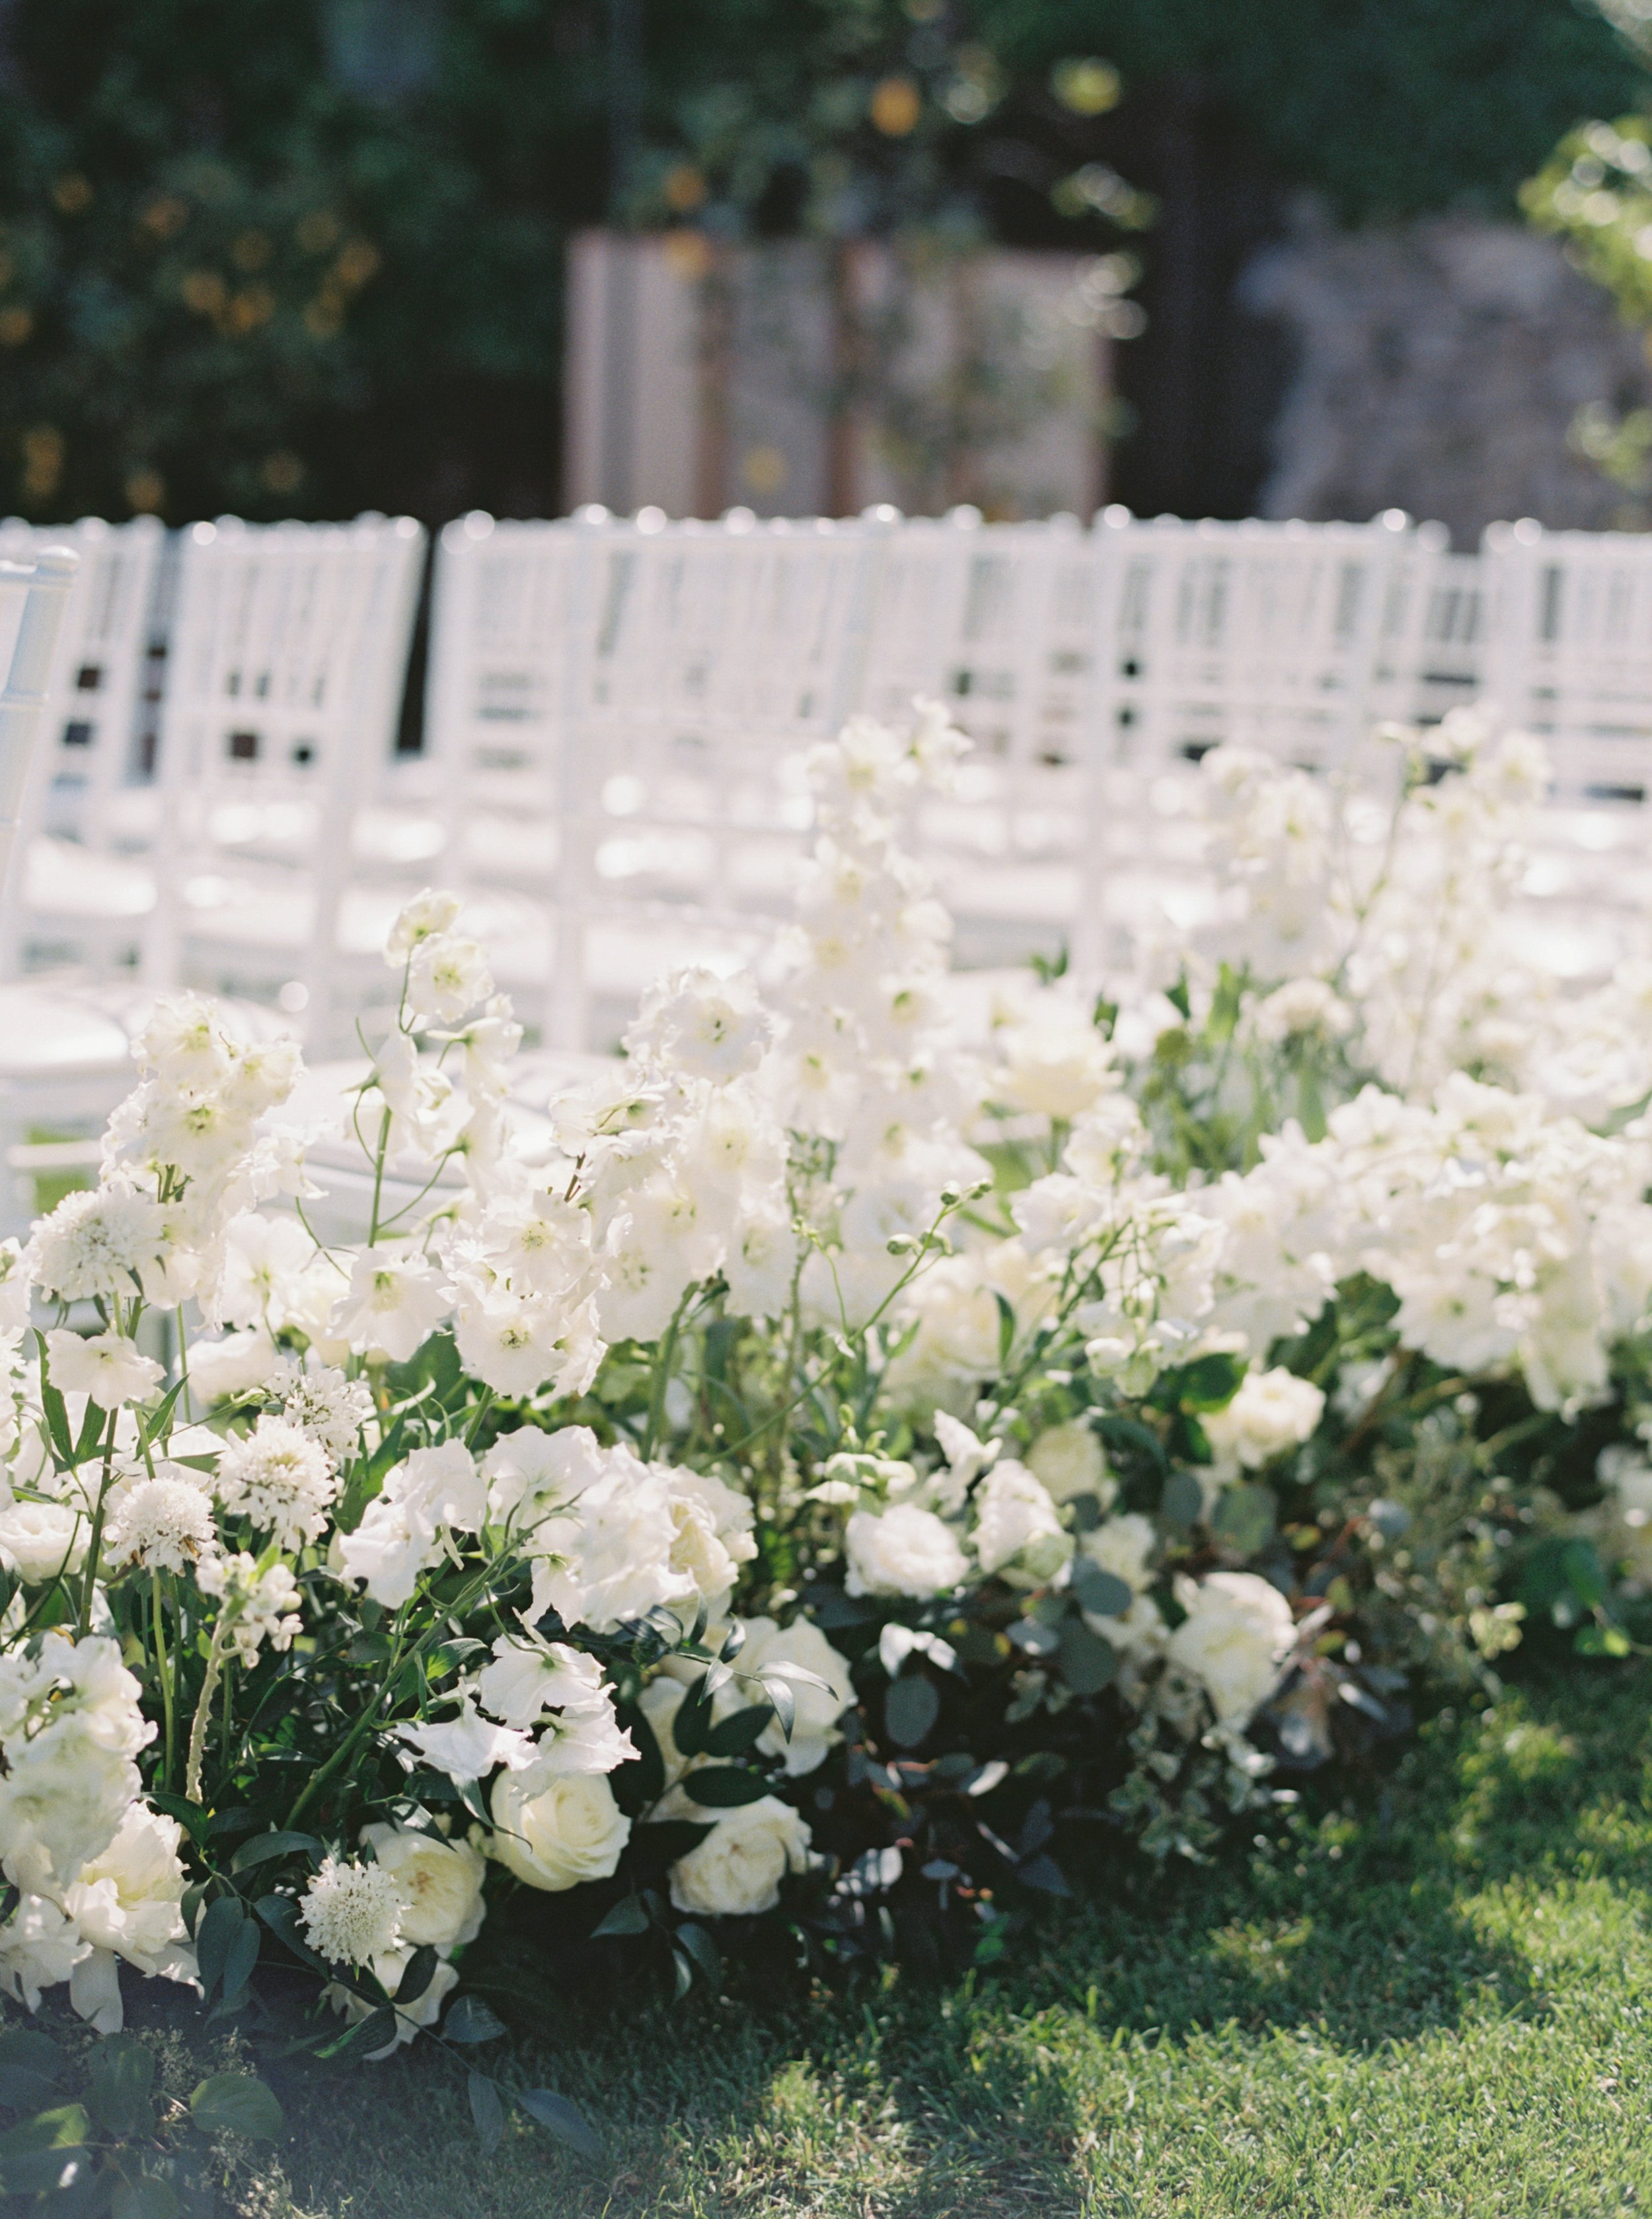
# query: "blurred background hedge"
302,256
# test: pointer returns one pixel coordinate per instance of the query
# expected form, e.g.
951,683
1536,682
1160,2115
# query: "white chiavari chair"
287,658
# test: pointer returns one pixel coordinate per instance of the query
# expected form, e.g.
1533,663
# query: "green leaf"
237,2103
1182,1501
1104,1593
220,1923
21,2045
724,1787
912,1706
469,2019
701,1948
740,1733
1244,1518
420,1972
629,1916
159,1418
243,1955
22,2089
1607,1640
1583,1574
564,2120
144,2197
195,1821
1088,1663
91,1432
488,2112
280,1914
1209,1383
263,1848
37,2155
121,2073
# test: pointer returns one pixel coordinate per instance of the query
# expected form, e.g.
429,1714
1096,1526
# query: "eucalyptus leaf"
469,2019
564,2120
912,1706
486,2110
1183,1502
1088,1662
1103,1593
1244,1518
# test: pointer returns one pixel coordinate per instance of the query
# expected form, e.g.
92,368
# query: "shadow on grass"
1403,1915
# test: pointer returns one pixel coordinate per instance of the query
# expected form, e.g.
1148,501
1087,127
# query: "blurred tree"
301,256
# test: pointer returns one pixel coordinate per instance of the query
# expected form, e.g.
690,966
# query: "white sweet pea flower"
447,978
425,915
468,1747
395,1301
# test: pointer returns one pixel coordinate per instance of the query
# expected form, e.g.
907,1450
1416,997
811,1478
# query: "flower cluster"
842,1450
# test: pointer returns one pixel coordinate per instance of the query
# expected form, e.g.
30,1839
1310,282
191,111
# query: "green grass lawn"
1438,2005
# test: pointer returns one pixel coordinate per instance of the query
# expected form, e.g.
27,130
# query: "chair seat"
65,883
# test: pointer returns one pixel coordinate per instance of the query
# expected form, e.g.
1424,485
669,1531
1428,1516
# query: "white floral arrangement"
837,1476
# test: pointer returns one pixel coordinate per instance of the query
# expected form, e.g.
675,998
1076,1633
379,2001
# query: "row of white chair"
617,710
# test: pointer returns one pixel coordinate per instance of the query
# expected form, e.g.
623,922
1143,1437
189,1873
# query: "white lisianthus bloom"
38,1540
608,1559
1017,1526
40,1946
468,1748
736,1871
555,1831
425,915
105,1366
129,1902
98,1243
266,1260
529,1677
1237,1632
518,1343
164,1524
388,1550
443,1484
714,1533
1069,1461
530,1472
1272,1411
903,1551
440,1884
769,1648
279,1479
395,1301
351,1912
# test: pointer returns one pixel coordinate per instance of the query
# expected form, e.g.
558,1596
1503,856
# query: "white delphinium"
1052,1059
530,1473
258,1602
351,1912
1269,846
395,1299
1279,1261
468,1748
447,976
70,1728
163,1522
107,1366
530,1677
279,1479
1302,1009
702,1024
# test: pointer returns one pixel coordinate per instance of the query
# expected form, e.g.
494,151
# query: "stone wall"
1440,366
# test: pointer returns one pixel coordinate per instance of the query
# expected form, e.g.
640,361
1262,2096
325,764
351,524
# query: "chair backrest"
32,597
1262,634
1568,653
707,658
104,676
287,658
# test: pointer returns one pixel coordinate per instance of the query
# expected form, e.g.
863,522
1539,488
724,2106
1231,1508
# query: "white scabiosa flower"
324,1405
164,1524
108,1366
98,1243
351,1912
279,1479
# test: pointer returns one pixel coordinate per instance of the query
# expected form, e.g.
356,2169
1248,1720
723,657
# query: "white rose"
903,1551
1123,1547
739,1866
553,1833
440,1883
1056,1062
1069,1461
1273,1411
1237,1631
1018,1532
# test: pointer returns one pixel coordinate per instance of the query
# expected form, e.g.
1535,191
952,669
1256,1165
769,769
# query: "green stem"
164,1667
203,1713
378,1175
662,1373
95,1546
